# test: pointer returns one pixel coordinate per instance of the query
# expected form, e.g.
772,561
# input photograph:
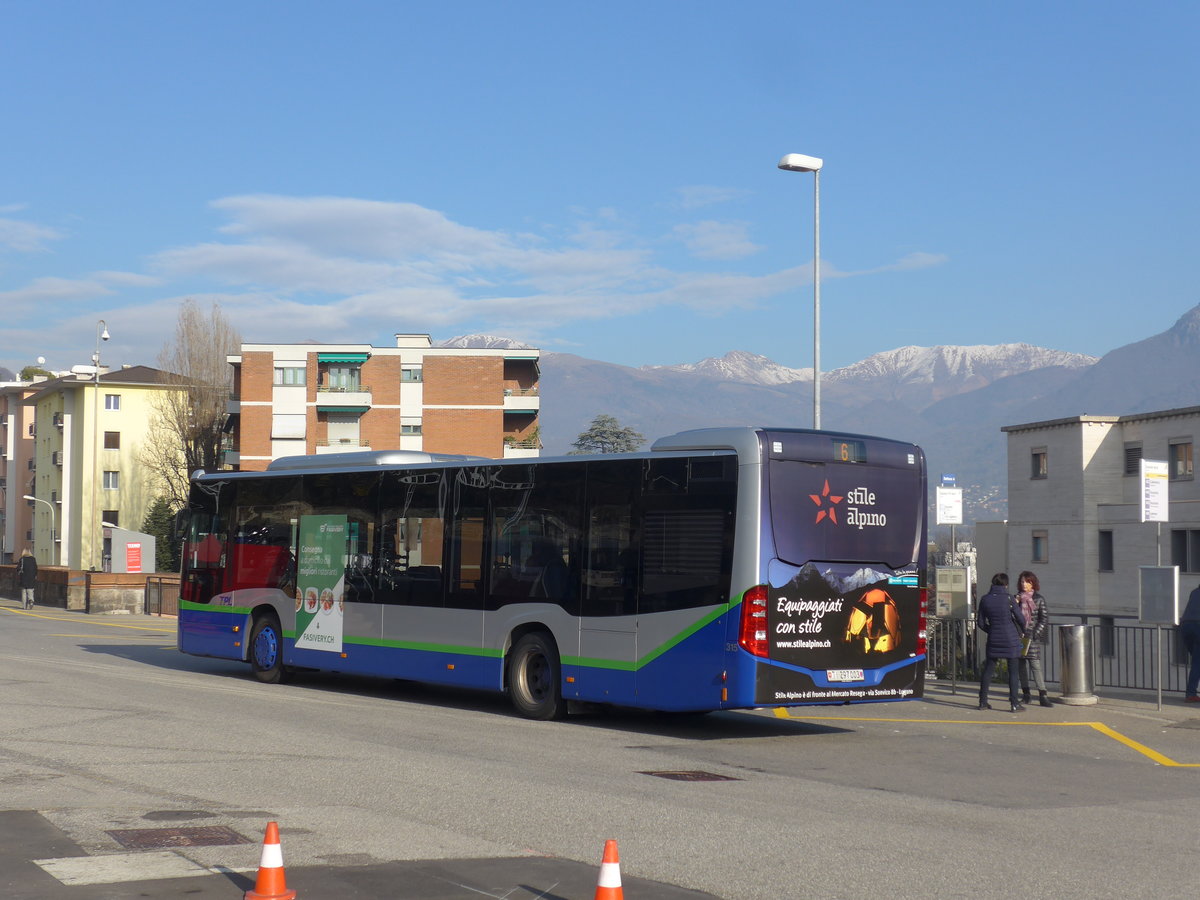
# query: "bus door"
465,564
608,623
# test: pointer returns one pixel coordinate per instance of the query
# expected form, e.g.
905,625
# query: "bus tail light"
922,620
752,635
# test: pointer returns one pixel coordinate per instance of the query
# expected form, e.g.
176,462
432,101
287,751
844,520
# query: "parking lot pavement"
40,862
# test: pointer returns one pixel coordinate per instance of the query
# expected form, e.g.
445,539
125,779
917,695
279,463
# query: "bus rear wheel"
534,678
266,650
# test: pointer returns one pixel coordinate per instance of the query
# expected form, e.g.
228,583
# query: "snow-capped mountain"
482,342
952,401
739,365
981,363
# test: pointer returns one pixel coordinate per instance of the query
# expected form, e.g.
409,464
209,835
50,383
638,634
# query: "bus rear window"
845,512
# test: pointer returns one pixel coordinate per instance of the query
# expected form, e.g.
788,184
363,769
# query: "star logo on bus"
826,504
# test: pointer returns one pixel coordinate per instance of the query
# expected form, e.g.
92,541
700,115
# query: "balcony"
342,445
522,400
334,398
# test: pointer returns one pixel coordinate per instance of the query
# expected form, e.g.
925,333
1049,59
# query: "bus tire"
535,679
266,649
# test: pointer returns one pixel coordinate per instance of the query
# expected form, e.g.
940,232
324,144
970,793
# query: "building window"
112,440
1185,549
1038,461
344,378
1106,552
112,481
1133,459
111,516
410,429
112,401
290,375
1180,461
1041,546
411,374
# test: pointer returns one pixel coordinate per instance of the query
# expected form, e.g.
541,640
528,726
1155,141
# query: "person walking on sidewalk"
1037,623
999,617
1189,624
27,578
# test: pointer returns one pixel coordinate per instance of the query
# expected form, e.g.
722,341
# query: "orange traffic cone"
271,883
609,885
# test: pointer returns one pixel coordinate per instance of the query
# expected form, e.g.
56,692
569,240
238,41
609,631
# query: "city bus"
725,568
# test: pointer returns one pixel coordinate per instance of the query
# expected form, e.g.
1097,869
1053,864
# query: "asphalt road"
110,737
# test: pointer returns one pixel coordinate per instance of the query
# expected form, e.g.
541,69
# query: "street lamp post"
101,335
53,524
798,162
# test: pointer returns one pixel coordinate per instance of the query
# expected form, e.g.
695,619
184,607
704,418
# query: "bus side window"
411,540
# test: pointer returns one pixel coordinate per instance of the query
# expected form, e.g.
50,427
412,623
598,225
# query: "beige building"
87,435
16,469
1074,506
305,399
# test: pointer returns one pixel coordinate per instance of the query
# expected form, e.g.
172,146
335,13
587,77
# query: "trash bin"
1078,675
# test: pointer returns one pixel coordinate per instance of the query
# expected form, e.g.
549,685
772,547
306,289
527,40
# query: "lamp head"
104,334
798,162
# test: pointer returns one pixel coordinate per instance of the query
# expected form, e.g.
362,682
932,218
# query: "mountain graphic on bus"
874,623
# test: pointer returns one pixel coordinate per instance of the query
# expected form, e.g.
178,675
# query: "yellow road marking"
75,620
782,713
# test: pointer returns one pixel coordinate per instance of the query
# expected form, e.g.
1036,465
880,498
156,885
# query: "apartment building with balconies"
84,467
305,399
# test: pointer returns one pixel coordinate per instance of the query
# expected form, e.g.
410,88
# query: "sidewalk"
1108,699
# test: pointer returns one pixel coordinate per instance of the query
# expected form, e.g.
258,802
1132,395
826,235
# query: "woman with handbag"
1037,623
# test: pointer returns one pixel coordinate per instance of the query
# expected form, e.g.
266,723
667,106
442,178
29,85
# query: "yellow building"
88,438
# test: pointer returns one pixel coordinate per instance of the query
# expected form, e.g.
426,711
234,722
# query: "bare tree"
187,434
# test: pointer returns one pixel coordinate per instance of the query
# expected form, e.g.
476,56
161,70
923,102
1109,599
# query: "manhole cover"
691,776
158,838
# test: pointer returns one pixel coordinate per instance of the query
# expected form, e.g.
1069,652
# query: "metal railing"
162,595
1125,656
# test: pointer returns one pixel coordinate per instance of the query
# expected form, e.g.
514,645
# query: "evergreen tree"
607,435
160,522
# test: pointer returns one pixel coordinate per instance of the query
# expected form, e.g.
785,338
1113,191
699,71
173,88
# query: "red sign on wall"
133,557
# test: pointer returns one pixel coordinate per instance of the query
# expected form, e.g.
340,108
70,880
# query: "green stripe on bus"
622,665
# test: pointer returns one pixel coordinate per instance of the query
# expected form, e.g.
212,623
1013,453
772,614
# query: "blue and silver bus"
725,568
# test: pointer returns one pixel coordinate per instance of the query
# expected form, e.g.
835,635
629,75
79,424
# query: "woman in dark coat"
27,576
1037,623
998,616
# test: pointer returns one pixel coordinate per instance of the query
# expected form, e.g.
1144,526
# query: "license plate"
844,675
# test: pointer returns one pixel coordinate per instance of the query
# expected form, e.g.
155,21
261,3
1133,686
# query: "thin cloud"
698,196
26,237
342,268
53,290
717,240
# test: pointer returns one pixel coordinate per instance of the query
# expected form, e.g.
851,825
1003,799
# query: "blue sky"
597,178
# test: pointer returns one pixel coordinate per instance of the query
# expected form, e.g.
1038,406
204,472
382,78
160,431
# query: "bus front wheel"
266,650
534,679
